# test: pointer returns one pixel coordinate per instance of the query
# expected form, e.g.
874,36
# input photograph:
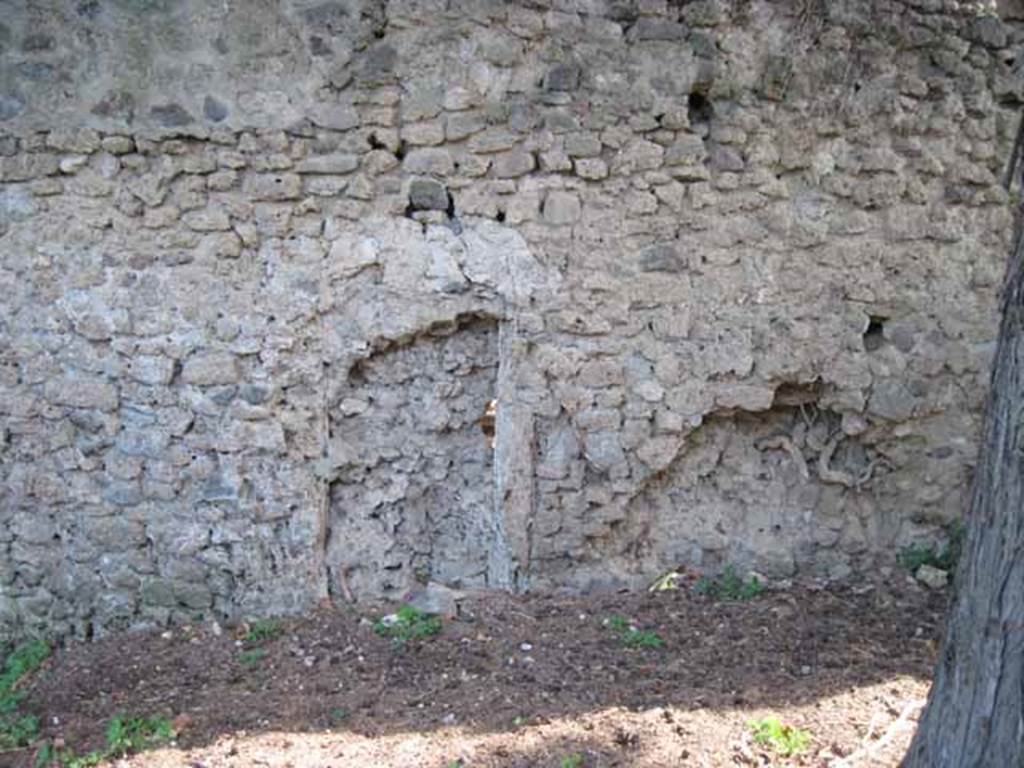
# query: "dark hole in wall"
700,108
874,336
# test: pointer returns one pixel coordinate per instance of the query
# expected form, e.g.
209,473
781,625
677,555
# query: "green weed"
252,657
575,760
46,756
636,638
633,637
409,623
263,630
784,740
71,760
337,715
125,736
618,623
916,555
18,730
134,734
729,586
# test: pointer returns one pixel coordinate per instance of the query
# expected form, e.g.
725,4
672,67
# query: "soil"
540,680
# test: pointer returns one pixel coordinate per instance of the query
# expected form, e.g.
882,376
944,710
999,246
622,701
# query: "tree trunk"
975,713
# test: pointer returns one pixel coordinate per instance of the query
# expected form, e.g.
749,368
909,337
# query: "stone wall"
727,270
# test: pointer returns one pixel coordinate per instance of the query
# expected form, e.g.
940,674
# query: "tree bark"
975,712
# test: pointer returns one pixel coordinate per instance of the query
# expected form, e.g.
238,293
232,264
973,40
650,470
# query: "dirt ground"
541,680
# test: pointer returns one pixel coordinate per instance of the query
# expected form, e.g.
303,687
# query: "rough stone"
510,165
273,187
663,257
592,168
932,577
561,208
337,117
210,368
214,110
338,162
170,115
82,391
650,28
208,220
429,162
563,77
152,370
428,195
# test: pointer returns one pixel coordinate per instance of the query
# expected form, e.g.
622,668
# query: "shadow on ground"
506,664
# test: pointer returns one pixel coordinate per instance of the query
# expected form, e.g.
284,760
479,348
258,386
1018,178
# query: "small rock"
338,117
428,195
336,162
170,115
510,165
931,577
210,368
429,161
72,163
525,647
214,110
661,257
561,208
650,28
562,77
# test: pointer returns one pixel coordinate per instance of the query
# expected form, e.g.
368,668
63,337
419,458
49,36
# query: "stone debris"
932,577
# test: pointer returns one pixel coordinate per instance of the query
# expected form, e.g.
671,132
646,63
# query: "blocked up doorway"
414,499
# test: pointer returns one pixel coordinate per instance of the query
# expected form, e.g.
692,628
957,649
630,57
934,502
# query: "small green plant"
575,760
729,586
134,734
408,623
337,715
263,630
637,638
454,764
125,736
784,740
914,556
71,760
252,657
618,623
631,636
18,730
